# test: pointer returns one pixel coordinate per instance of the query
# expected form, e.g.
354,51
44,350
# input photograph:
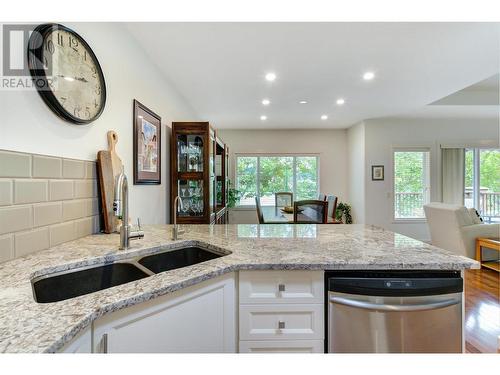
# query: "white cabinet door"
281,322
281,287
296,346
198,319
82,343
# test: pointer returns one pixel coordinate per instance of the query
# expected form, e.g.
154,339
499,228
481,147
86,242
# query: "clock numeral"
62,99
73,42
95,103
84,55
60,40
76,111
49,46
87,112
94,72
98,90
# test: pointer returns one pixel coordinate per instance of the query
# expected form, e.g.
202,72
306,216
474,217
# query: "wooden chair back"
260,215
332,205
310,211
283,199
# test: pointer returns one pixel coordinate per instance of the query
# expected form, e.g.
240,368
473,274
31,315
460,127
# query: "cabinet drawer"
281,287
281,322
274,346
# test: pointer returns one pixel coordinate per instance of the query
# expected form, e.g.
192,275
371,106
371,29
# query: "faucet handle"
139,223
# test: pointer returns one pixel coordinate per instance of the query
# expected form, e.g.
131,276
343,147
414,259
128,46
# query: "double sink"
77,282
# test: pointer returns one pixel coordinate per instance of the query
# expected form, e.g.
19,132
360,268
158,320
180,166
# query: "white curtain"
453,168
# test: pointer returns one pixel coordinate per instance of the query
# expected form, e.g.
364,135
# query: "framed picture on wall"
377,173
147,146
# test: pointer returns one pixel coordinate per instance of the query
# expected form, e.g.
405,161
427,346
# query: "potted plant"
232,196
343,213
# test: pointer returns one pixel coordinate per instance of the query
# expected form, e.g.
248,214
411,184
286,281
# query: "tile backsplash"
45,201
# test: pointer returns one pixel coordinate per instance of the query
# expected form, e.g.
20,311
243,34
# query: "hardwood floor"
482,311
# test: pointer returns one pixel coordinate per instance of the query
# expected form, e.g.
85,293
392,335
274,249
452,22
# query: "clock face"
75,87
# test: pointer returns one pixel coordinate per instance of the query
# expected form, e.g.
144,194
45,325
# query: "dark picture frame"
147,145
377,173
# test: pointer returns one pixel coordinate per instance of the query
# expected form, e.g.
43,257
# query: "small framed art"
377,173
147,146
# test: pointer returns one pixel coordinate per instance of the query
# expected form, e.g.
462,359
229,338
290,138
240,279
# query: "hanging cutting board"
116,162
110,166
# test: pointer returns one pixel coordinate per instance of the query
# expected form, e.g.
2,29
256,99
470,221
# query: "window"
264,175
411,183
482,182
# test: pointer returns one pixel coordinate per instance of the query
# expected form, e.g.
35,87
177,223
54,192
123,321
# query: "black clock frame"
35,65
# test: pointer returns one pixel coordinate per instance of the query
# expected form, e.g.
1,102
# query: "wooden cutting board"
110,166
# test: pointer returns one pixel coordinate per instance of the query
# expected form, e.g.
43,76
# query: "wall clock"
66,73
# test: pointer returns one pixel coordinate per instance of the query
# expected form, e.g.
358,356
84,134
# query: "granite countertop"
27,326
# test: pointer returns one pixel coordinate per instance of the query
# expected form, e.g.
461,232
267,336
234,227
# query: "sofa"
455,228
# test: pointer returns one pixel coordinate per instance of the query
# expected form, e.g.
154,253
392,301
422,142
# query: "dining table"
276,215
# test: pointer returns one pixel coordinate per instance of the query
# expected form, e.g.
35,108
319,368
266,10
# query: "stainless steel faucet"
175,229
120,207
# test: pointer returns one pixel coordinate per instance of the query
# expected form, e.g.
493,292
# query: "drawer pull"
281,287
281,325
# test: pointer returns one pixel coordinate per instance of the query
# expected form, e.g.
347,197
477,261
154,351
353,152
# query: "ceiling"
220,67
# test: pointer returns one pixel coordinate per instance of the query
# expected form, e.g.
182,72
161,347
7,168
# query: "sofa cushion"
475,217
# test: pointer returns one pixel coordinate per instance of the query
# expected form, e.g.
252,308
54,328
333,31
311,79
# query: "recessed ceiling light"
303,102
340,101
266,101
263,118
270,77
368,76
324,117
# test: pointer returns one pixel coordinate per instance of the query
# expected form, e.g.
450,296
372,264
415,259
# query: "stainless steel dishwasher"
394,311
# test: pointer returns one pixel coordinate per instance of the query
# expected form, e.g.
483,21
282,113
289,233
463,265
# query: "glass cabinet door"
211,166
189,153
226,174
191,195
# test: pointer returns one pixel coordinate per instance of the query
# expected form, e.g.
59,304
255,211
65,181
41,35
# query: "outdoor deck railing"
409,205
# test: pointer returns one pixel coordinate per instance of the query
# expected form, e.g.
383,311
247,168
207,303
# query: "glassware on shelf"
192,197
190,153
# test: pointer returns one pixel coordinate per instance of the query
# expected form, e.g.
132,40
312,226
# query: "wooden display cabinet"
198,174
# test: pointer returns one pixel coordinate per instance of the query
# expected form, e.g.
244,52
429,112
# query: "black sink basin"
77,283
170,260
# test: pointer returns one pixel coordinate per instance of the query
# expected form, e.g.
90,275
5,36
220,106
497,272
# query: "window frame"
397,220
277,155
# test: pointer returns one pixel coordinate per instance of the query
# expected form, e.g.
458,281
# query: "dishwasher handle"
394,308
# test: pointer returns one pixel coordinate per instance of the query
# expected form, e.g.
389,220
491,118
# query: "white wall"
27,124
331,145
382,135
355,168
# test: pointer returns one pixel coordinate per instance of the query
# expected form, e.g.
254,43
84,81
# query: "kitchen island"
28,326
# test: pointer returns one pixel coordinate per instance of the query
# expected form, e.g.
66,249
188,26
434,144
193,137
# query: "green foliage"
343,213
408,167
276,174
469,168
489,161
307,183
233,195
489,166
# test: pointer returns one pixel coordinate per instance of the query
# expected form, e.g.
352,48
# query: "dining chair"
310,211
260,215
283,199
321,197
332,205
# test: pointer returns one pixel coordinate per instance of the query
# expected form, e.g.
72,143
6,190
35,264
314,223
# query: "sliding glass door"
482,182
